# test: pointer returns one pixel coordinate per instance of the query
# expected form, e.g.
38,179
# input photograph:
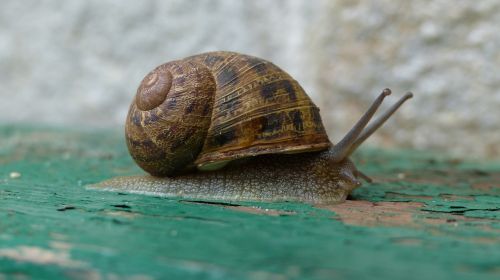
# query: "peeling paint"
366,213
41,256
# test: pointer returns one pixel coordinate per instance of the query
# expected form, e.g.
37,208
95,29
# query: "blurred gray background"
78,63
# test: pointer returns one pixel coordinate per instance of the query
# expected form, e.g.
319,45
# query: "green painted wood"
426,217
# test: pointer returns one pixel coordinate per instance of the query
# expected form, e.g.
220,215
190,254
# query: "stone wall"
79,62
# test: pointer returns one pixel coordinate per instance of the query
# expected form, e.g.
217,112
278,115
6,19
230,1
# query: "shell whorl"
154,89
215,107
168,121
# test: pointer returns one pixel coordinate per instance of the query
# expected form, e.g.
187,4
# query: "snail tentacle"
374,125
342,148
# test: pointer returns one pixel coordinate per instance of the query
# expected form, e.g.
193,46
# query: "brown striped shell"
208,109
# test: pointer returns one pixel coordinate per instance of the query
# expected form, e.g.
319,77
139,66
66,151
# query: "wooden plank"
426,217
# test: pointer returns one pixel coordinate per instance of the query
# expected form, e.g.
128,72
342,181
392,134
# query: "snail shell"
206,110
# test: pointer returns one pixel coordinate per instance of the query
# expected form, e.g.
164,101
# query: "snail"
229,126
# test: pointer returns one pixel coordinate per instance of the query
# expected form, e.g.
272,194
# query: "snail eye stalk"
359,132
342,148
378,122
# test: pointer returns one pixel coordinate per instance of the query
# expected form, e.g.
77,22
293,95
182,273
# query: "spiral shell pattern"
216,107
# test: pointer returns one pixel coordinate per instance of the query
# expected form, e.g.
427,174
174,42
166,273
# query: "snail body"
229,126
310,177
